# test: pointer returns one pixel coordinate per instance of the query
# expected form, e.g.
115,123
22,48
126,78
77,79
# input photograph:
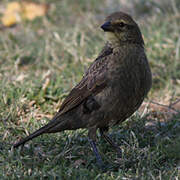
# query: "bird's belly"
118,104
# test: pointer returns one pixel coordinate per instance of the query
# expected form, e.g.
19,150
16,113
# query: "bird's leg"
95,150
92,140
109,140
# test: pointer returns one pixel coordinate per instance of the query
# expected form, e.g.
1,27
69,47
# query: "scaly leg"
109,140
95,150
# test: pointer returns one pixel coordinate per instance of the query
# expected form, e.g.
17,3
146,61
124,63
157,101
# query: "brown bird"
111,90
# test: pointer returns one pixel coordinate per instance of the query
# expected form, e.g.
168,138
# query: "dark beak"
107,26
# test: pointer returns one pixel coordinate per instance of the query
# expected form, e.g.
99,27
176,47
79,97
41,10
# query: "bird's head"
121,28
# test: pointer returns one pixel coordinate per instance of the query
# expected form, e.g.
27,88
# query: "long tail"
45,129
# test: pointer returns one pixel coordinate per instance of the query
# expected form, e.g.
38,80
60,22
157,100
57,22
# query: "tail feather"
45,129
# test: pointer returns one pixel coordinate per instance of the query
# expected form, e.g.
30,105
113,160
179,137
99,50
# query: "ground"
41,60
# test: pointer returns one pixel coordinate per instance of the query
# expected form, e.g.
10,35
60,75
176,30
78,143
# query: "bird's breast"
129,81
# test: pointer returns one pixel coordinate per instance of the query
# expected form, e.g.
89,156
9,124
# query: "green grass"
41,61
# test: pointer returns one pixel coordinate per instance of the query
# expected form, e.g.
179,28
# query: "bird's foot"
100,163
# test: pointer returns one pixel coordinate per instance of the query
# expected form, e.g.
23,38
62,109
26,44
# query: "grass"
41,61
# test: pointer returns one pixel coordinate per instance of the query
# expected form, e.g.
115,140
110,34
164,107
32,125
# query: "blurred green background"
41,60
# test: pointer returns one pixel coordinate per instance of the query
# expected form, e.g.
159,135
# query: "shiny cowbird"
111,90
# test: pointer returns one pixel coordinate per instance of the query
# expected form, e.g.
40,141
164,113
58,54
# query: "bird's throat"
112,39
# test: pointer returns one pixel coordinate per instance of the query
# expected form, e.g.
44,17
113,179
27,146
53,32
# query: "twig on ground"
166,106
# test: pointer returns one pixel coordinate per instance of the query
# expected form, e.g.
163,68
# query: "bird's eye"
121,24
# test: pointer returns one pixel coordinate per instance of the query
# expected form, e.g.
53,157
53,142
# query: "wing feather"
93,82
